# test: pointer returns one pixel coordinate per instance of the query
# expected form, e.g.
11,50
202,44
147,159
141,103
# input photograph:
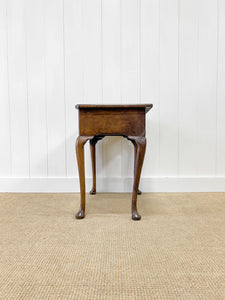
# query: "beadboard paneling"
168,94
57,53
188,86
55,88
36,87
18,88
207,87
220,113
5,121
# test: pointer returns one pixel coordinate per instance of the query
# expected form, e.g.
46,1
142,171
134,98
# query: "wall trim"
113,185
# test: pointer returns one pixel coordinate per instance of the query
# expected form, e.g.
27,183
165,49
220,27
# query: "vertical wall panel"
111,51
130,54
35,44
55,88
220,162
92,51
73,31
168,160
150,81
92,67
188,98
5,149
207,75
130,67
111,79
18,88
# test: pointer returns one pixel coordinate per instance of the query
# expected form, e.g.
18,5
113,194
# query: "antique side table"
98,121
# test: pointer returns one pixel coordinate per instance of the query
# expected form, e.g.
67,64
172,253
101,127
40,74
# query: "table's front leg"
140,146
81,140
135,156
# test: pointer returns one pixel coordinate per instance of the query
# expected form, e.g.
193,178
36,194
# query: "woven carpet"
177,250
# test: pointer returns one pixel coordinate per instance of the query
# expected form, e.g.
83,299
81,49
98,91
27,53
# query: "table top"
114,106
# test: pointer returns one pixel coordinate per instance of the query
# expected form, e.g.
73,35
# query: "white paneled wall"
57,53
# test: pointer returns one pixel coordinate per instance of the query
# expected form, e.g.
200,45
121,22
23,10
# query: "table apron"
112,122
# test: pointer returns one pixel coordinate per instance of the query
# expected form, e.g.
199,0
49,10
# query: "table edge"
96,106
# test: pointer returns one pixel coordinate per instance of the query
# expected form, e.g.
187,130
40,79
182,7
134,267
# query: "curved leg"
140,145
81,140
135,155
92,149
93,142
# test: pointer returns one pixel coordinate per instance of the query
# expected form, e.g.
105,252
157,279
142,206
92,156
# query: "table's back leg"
140,145
81,140
93,142
93,162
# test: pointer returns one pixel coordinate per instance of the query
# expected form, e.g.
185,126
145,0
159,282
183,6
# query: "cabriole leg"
93,162
135,155
140,145
93,142
81,140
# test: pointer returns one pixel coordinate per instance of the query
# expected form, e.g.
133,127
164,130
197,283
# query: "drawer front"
112,122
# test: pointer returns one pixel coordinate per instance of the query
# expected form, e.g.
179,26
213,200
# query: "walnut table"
98,121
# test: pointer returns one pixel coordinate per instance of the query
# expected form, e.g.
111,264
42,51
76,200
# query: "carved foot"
80,214
135,215
92,191
139,192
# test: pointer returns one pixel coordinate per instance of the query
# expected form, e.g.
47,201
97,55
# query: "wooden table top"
114,106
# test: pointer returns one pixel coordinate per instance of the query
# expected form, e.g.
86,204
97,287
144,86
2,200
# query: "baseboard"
117,184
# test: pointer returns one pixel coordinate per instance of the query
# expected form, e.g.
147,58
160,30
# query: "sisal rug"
177,250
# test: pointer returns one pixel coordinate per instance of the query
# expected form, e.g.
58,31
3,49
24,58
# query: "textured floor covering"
177,250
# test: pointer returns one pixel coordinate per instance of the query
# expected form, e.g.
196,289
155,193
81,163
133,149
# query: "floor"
176,251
